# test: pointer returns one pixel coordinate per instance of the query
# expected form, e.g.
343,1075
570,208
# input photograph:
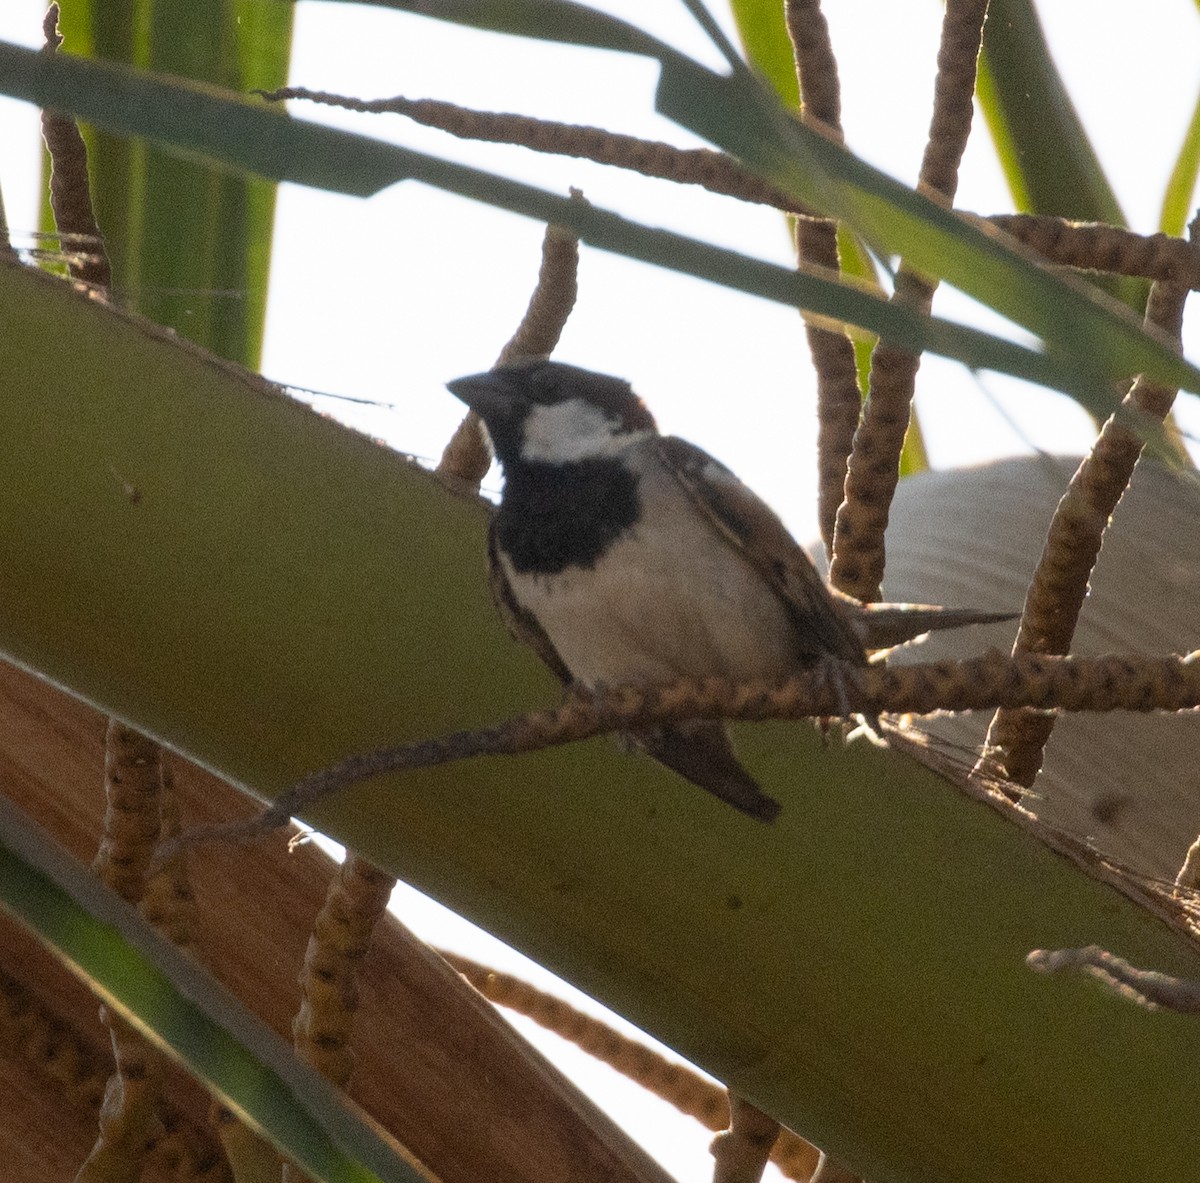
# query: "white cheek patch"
573,430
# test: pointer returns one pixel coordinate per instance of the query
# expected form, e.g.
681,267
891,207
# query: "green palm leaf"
856,969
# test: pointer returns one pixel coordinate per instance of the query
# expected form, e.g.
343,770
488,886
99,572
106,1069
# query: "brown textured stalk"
838,397
1017,738
29,1031
1147,988
816,66
128,1114
859,553
141,808
1085,245
690,1093
553,297
872,471
953,98
358,896
467,457
1119,682
741,1153
680,1086
1096,246
839,400
132,785
688,166
70,190
132,823
168,901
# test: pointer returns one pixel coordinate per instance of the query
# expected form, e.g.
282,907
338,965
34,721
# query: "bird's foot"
859,724
594,695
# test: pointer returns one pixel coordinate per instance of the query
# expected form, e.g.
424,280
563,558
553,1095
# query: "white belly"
661,605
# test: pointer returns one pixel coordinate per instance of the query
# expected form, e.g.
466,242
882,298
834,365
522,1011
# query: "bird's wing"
521,624
823,626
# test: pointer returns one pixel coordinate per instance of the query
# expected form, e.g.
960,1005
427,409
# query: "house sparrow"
622,555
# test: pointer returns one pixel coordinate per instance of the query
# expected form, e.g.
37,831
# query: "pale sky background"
389,298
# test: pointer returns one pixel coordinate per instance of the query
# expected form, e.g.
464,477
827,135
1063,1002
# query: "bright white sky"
389,298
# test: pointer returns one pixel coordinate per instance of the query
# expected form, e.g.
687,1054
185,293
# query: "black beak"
491,395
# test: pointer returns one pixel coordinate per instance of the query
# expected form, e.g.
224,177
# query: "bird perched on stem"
622,555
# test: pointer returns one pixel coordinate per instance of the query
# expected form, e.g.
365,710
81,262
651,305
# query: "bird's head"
547,412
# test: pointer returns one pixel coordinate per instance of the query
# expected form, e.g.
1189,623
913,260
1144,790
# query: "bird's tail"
702,753
884,626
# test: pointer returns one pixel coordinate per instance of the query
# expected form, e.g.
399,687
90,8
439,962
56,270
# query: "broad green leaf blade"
1048,160
291,592
764,38
185,1011
1177,200
181,237
204,232
1003,135
262,139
